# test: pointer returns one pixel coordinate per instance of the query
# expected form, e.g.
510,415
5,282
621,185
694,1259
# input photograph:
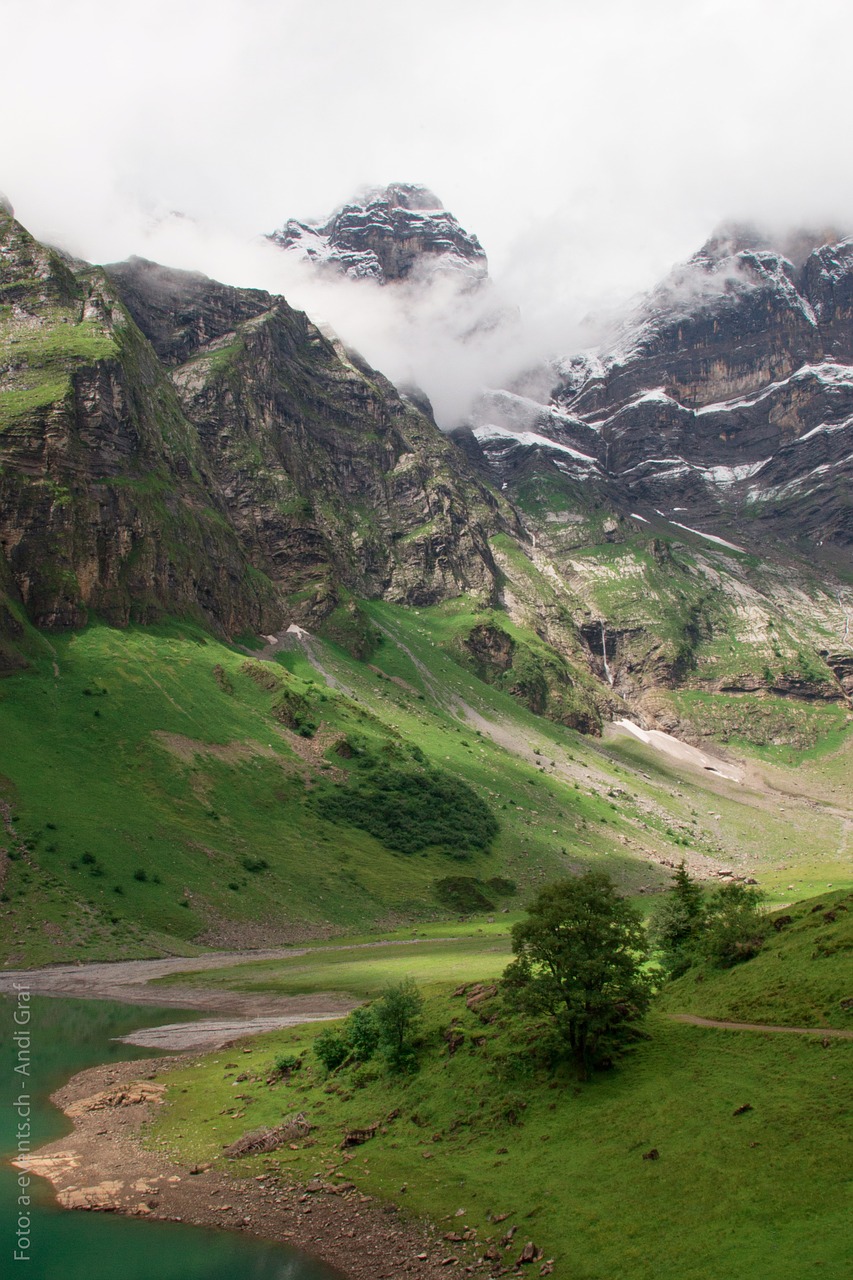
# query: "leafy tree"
579,957
388,1024
363,1034
397,1014
331,1048
356,1041
676,923
734,927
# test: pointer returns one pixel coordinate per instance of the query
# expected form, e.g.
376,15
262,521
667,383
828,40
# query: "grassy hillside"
754,1195
165,791
801,977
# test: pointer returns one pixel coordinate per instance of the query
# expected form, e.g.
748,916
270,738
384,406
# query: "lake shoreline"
102,1166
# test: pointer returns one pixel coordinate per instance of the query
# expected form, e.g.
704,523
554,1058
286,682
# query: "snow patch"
681,751
725,476
710,537
825,428
531,439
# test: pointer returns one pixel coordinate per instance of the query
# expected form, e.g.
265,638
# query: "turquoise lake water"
65,1037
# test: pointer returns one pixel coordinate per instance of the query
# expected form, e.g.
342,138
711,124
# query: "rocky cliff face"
387,235
727,397
686,488
173,445
169,444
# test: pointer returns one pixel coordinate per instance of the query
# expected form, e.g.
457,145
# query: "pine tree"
677,922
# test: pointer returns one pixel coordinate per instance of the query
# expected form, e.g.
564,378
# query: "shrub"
735,927
411,809
285,1063
462,893
398,1013
332,1049
503,887
254,864
362,1033
676,923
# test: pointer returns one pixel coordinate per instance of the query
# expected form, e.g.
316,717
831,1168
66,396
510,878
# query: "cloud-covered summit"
387,234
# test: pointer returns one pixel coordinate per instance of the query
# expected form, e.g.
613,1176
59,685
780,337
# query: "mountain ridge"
174,445
707,394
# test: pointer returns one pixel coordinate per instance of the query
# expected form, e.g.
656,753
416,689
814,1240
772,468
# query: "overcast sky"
588,143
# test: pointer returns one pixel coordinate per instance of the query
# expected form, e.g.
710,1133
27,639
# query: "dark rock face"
387,235
169,444
180,312
727,395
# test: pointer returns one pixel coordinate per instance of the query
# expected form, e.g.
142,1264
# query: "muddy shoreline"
102,1166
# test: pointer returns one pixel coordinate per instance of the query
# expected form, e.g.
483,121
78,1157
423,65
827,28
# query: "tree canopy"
579,957
723,930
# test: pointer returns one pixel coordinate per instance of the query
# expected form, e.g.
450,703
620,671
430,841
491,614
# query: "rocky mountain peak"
404,195
723,400
745,241
387,234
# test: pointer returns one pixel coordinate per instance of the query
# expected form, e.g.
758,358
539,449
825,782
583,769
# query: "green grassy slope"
755,1196
364,970
161,795
802,977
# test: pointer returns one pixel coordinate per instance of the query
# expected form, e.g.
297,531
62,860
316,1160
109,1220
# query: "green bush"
398,1013
387,1025
735,927
412,809
362,1033
332,1048
676,923
502,886
254,864
462,893
285,1063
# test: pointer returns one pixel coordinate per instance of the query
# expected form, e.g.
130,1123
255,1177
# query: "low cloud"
589,147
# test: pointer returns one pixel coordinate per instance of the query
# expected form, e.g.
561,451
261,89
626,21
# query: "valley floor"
753,1196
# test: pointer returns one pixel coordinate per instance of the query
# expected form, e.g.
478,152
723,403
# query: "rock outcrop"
387,235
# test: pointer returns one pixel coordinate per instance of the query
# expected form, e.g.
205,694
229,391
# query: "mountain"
169,444
725,398
691,478
388,234
280,655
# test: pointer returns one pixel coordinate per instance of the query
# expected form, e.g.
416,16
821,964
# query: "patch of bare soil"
102,1166
313,750
186,749
234,935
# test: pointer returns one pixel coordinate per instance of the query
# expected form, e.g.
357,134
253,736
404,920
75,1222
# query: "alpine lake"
66,1036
